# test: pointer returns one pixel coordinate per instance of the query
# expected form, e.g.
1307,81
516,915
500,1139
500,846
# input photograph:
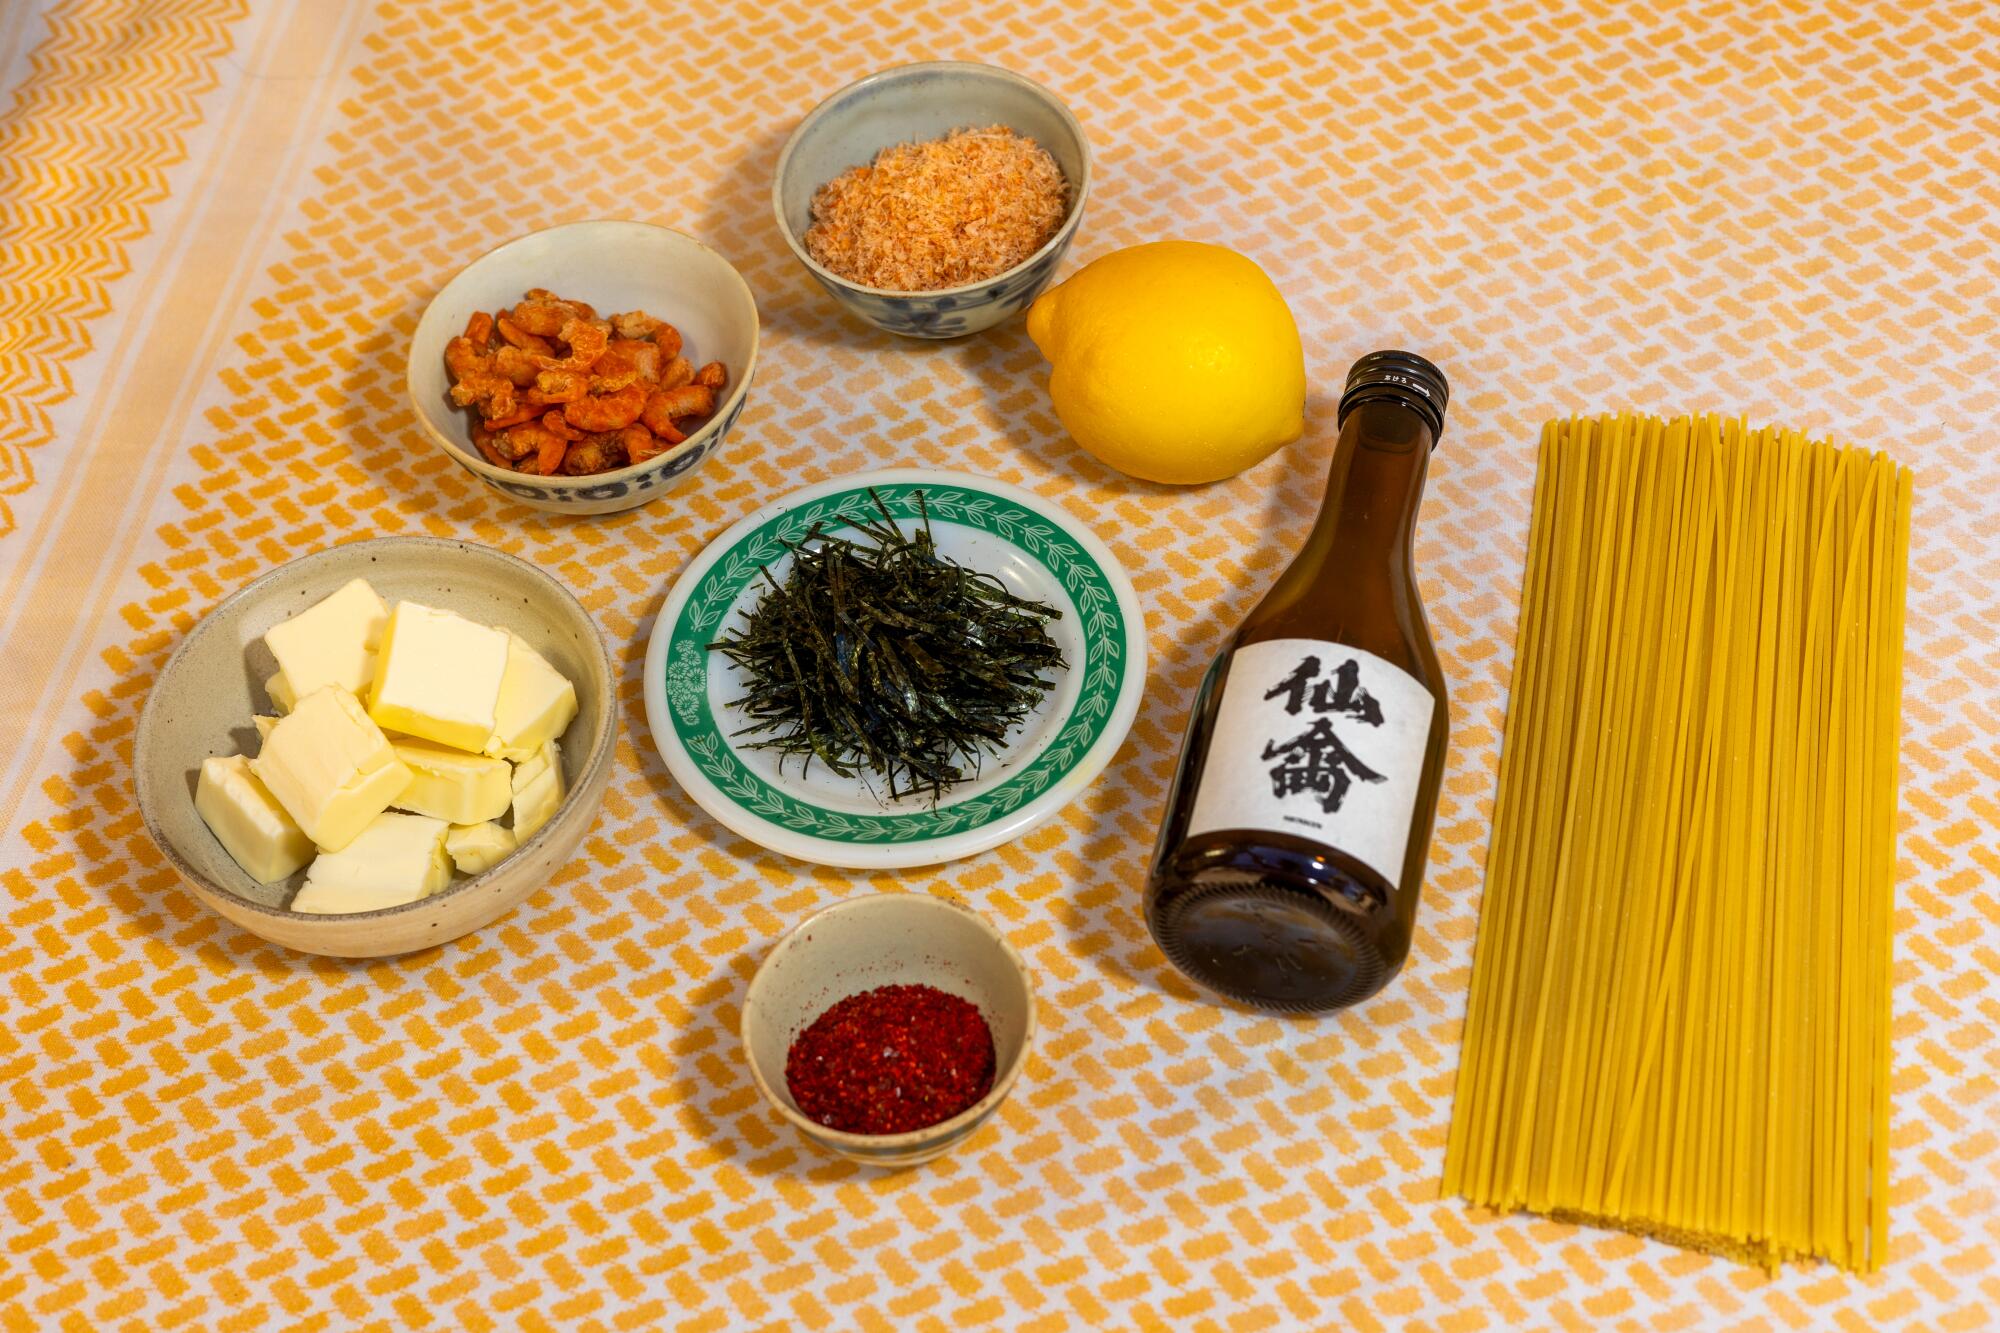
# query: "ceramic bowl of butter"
379,747
614,266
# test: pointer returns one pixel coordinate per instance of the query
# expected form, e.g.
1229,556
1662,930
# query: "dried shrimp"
563,391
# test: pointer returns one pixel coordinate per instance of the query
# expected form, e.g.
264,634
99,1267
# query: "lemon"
1174,361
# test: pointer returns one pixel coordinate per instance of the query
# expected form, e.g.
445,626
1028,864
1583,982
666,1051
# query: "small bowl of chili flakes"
897,1013
675,315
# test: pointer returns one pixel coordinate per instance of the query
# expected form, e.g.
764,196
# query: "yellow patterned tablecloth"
219,220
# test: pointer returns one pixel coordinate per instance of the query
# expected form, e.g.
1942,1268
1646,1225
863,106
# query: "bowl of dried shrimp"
586,368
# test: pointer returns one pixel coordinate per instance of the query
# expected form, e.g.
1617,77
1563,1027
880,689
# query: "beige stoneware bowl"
614,266
888,939
202,702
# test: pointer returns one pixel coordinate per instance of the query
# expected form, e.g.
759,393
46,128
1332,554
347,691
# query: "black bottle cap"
1398,377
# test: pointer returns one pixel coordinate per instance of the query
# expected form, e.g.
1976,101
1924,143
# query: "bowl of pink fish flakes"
586,368
934,200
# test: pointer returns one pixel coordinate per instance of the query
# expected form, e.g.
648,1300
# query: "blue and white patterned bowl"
615,266
914,103
888,939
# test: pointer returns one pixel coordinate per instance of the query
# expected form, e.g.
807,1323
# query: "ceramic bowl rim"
888,1145
1079,194
701,437
600,753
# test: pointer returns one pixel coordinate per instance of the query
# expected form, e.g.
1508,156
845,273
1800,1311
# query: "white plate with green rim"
1029,544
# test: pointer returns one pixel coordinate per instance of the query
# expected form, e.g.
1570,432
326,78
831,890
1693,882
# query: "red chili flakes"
891,1060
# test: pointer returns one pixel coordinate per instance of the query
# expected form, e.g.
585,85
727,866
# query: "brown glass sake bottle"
1299,823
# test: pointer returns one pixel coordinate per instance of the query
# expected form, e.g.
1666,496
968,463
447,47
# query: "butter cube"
331,642
536,704
251,826
437,675
330,767
451,784
538,790
397,859
279,691
475,848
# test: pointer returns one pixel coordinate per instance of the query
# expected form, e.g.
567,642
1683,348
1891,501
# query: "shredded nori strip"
881,657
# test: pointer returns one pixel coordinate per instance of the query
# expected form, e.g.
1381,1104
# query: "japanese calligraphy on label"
1321,741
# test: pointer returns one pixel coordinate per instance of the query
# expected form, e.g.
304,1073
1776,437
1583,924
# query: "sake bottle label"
1321,741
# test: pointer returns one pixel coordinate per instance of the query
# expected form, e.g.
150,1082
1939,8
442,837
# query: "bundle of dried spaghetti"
1679,1020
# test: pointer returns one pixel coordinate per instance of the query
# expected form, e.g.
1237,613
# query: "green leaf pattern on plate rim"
695,722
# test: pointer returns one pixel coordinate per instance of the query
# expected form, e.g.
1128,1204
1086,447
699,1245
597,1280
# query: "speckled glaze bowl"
614,266
203,699
888,939
917,102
